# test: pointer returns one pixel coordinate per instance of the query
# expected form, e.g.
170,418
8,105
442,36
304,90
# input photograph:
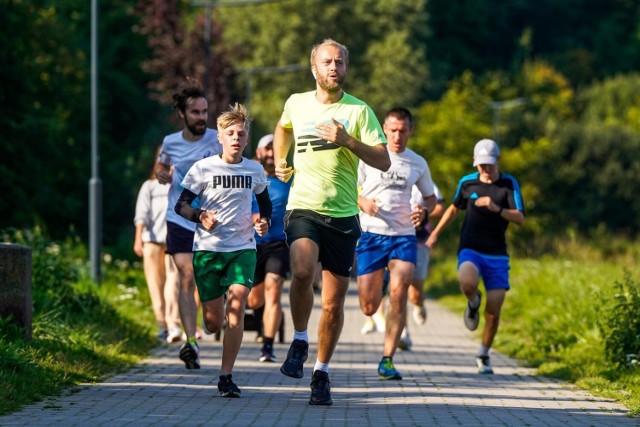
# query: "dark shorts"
273,257
179,239
336,237
216,271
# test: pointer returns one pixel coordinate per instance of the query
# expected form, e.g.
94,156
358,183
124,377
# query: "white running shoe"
380,321
174,335
420,314
405,342
368,327
484,364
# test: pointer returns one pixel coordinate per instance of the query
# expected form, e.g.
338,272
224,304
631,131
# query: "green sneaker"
386,370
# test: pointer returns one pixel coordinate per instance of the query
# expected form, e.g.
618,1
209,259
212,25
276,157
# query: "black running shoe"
267,355
320,389
227,387
297,355
189,354
472,315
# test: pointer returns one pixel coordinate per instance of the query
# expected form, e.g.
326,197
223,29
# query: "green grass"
550,318
81,331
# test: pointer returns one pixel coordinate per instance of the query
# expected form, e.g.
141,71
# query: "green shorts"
216,271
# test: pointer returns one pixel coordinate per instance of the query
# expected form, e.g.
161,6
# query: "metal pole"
207,48
95,184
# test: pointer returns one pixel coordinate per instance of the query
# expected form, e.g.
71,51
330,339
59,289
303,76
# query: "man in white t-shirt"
179,152
388,235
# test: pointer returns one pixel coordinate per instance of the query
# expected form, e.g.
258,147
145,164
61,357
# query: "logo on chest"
231,181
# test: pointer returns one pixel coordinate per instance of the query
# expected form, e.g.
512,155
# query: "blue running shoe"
386,370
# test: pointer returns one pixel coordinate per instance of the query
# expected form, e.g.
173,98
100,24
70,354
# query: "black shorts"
179,239
336,237
273,257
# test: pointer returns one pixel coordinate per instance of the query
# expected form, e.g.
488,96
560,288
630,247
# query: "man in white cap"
492,200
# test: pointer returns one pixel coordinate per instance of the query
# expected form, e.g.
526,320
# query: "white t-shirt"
228,189
151,209
183,155
393,190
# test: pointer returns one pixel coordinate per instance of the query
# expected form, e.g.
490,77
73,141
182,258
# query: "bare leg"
401,272
304,257
171,292
272,304
236,302
495,298
370,291
334,290
187,301
469,279
153,261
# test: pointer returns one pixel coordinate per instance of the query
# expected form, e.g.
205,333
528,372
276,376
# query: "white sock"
324,367
483,351
405,333
304,336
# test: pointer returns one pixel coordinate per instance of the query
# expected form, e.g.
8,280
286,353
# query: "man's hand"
417,215
486,202
333,132
283,172
164,173
208,219
261,226
369,206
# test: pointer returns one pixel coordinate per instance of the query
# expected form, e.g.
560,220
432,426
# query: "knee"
492,318
213,324
332,307
369,309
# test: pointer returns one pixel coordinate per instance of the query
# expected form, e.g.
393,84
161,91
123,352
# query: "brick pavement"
440,388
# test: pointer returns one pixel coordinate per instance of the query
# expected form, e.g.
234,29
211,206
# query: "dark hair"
401,113
190,89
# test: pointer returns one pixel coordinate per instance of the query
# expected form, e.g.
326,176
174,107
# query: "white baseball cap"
265,140
486,152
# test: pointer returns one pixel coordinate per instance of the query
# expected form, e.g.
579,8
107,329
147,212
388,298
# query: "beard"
196,128
330,86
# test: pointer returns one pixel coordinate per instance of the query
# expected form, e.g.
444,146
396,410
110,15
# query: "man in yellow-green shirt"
330,131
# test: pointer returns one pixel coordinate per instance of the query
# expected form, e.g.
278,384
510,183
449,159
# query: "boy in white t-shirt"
224,245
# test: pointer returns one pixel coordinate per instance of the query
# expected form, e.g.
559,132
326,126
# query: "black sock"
267,342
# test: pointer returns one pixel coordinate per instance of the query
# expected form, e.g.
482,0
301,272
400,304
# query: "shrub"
619,323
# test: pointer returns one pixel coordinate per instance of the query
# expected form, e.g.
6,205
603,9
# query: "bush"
619,323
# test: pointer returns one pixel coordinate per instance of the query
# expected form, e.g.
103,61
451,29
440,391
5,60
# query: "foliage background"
571,136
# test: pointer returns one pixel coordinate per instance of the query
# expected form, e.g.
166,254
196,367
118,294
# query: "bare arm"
282,139
447,218
375,156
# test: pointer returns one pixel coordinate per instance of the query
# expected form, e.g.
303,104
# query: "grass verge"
550,320
81,331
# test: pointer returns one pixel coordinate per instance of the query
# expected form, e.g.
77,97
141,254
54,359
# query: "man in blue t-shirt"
273,255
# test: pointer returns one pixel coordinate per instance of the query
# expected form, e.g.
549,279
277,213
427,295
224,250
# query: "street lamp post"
95,184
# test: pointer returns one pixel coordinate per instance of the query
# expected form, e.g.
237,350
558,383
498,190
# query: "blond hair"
236,113
329,42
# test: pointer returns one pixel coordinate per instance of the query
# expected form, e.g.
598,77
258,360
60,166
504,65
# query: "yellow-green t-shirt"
325,178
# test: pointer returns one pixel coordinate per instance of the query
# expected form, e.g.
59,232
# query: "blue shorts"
374,251
494,269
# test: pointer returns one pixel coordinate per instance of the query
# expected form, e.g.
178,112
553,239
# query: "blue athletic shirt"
279,194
